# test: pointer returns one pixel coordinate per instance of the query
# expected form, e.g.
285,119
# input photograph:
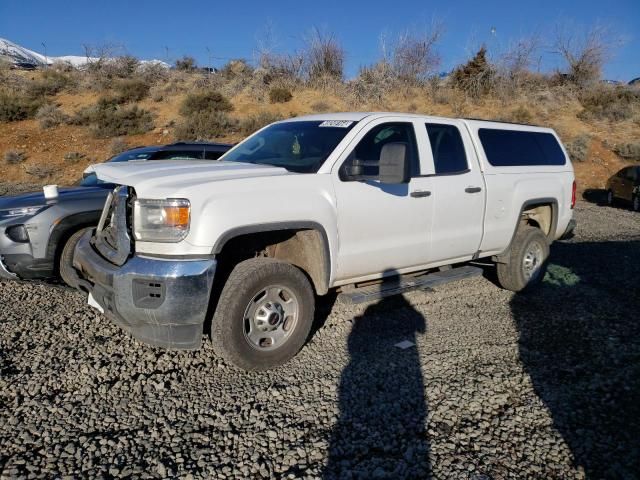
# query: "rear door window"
511,148
449,156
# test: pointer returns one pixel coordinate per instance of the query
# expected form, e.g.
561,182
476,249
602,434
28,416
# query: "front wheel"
527,260
264,314
65,264
610,198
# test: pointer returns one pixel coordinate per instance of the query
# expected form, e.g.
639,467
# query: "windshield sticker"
336,123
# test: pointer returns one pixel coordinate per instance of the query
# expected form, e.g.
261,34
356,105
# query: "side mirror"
394,164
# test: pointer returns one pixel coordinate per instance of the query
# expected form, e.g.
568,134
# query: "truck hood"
35,199
150,178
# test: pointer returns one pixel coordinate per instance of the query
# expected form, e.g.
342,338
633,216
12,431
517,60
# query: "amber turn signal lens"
177,216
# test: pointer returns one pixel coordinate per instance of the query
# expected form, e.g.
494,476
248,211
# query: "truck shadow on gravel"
579,340
383,408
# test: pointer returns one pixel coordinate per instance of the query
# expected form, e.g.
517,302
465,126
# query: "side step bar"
404,284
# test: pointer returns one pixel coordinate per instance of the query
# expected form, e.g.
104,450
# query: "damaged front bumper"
161,302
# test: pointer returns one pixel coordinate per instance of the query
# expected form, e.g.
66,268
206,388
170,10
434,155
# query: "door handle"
473,189
420,193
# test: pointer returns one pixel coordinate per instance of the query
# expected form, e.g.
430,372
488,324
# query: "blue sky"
231,29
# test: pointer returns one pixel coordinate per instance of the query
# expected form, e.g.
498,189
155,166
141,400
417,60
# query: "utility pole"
46,59
210,66
166,49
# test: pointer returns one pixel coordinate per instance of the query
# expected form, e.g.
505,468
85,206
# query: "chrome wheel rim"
270,318
532,261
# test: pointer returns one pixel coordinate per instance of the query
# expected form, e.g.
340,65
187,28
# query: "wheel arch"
532,205
305,244
64,228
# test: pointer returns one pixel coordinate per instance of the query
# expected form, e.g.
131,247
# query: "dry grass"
598,140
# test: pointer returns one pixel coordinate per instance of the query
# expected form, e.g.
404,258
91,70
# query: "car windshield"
300,146
131,155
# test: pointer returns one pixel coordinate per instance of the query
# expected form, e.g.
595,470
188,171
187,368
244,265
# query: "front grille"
112,238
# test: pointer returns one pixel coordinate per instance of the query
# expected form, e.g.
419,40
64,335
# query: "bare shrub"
256,122
584,51
609,103
205,101
578,149
475,76
628,151
320,107
13,157
280,95
131,90
521,114
39,171
16,106
413,56
74,157
152,72
372,83
186,64
205,125
324,57
124,66
118,145
51,116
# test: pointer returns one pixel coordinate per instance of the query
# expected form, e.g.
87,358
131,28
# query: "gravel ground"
544,385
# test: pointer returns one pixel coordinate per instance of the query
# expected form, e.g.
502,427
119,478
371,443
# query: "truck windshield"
297,146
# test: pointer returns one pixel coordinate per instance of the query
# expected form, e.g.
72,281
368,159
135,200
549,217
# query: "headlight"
21,212
161,220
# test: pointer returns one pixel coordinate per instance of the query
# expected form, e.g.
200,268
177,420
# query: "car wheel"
264,314
527,260
65,263
610,197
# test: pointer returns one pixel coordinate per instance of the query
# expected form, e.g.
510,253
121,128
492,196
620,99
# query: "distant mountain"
23,57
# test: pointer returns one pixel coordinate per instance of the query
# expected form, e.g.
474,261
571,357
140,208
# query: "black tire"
229,325
611,199
514,275
65,262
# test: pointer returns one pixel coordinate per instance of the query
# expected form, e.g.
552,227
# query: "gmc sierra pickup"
370,204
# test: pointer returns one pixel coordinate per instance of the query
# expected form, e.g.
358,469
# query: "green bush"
205,101
107,119
279,95
256,122
50,116
578,150
186,64
13,157
206,126
629,151
605,103
131,90
16,106
51,82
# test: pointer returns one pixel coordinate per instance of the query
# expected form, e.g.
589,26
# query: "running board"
405,284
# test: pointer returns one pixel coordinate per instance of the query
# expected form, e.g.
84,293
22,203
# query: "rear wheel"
264,314
65,265
527,260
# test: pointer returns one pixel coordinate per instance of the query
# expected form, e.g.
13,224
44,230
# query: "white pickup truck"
370,204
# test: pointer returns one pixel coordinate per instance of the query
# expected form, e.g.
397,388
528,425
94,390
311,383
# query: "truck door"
381,227
458,192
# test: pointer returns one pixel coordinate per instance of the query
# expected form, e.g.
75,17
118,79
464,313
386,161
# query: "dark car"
38,235
625,186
